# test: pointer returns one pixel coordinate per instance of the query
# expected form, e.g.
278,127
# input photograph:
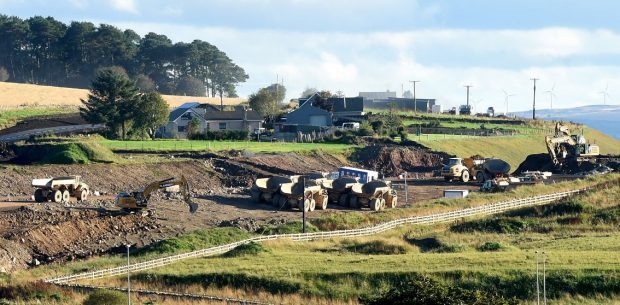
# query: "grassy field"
15,94
582,257
196,145
10,115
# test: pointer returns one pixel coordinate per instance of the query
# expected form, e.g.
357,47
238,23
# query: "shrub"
195,240
221,135
287,228
374,247
494,225
433,244
491,246
425,291
106,297
607,216
250,248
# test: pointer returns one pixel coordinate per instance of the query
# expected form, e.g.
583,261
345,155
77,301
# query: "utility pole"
468,86
544,258
537,281
128,281
303,208
415,102
534,100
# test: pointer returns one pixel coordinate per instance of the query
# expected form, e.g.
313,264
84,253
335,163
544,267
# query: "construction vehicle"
138,200
339,189
565,148
377,195
476,167
494,185
465,110
265,189
60,189
305,194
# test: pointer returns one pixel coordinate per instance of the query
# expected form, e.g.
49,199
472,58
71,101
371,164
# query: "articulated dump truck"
299,192
314,191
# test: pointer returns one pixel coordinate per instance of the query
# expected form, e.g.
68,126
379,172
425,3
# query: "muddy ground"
32,233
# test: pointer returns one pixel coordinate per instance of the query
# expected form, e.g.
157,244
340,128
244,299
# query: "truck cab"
455,169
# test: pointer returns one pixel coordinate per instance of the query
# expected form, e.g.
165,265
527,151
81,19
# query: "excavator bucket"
193,207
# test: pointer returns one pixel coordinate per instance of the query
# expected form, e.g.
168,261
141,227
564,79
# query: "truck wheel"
275,200
304,205
39,196
65,196
283,202
255,194
312,205
480,177
381,204
392,203
322,204
354,202
82,195
343,200
57,196
465,176
374,204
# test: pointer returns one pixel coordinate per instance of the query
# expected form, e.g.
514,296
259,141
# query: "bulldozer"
564,147
138,200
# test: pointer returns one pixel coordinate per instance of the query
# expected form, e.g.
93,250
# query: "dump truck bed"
53,182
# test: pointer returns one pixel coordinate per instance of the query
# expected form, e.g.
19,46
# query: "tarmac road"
24,135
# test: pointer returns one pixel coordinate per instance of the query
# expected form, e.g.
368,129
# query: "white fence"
428,219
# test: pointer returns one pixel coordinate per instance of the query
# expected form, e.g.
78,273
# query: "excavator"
138,200
564,147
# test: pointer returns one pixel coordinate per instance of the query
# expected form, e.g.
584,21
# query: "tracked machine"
138,200
569,151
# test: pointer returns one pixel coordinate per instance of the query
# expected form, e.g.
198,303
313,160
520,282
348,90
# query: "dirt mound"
45,122
394,160
542,162
33,235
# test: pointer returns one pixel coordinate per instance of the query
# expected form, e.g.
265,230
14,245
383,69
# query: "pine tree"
113,101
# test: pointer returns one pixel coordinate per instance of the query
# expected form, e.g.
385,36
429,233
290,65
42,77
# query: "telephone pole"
468,86
415,102
534,100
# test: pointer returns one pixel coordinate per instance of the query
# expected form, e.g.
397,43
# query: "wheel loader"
138,200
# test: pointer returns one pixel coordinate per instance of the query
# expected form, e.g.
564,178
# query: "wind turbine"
605,94
551,94
506,96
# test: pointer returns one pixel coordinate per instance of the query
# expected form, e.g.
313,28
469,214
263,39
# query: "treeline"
45,51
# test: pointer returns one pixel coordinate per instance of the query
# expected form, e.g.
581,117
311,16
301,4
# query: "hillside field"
15,94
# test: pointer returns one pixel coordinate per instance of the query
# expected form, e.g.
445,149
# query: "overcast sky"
364,45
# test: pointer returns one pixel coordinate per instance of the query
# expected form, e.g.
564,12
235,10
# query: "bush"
433,244
106,297
195,240
250,248
490,246
608,216
495,225
374,247
287,228
425,291
221,135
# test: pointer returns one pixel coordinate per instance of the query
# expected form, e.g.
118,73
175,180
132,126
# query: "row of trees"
46,51
115,101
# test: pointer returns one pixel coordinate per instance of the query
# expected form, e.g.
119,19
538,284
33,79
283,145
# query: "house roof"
250,115
176,113
189,105
340,104
378,95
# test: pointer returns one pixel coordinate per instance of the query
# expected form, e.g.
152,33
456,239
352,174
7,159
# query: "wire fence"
416,220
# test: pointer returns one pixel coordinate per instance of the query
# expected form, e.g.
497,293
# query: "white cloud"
128,6
354,62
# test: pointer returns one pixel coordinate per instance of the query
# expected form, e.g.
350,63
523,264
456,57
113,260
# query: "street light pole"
537,282
128,281
544,258
534,99
415,102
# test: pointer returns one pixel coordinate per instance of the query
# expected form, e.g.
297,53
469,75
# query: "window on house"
222,126
186,116
182,129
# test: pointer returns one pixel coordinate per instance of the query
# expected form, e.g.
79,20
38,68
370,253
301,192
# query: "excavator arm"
141,198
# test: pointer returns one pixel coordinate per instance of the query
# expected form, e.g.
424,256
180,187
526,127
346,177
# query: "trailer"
60,189
377,195
304,195
266,189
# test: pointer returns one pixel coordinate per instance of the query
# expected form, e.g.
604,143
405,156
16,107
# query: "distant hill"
605,118
14,94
